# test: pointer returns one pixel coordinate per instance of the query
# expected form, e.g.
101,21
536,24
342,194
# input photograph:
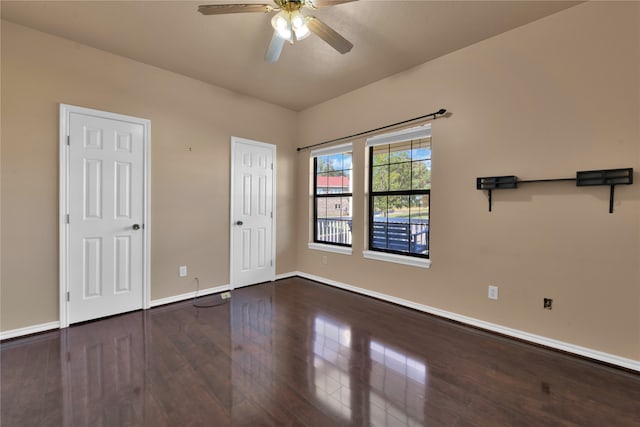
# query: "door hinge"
271,263
68,296
67,219
68,356
271,215
68,139
271,166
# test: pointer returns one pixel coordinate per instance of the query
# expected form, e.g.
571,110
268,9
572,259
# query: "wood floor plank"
299,353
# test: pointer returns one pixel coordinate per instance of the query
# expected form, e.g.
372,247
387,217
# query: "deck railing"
396,234
334,230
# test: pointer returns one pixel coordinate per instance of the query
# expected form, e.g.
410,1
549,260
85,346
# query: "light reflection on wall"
398,385
332,351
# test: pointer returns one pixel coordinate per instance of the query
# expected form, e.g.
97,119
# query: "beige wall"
190,189
542,101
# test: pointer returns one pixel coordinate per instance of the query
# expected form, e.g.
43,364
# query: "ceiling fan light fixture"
297,20
282,24
302,33
299,24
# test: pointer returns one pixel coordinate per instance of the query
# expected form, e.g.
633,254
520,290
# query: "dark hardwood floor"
299,353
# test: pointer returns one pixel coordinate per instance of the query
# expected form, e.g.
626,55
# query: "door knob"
136,226
239,223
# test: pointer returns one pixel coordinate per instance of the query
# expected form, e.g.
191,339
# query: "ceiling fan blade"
274,49
219,9
329,35
314,4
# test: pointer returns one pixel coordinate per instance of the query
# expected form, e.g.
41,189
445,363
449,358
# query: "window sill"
399,259
344,250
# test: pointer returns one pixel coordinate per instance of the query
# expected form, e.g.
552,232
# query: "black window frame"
317,196
388,193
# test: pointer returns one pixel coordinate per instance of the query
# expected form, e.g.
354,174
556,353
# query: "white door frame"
65,111
273,148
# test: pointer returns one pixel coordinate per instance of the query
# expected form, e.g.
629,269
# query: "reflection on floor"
331,357
295,352
398,385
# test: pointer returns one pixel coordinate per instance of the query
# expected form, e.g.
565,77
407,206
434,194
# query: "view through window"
399,192
333,189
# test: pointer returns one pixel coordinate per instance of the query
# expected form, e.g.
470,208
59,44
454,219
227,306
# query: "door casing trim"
63,237
274,149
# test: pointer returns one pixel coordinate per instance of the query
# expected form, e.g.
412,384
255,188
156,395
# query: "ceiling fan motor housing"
290,5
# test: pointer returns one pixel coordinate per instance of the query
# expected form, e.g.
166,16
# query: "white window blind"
334,149
400,136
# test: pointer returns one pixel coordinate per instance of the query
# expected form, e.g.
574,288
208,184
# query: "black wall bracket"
610,177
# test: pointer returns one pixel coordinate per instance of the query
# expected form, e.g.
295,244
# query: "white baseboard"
189,295
14,333
515,333
29,330
287,275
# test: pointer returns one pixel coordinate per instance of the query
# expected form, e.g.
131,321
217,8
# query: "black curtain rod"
440,112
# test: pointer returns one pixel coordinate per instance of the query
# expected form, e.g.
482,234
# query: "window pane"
399,207
329,207
334,225
332,162
421,175
332,183
400,152
421,149
380,207
419,227
380,155
380,178
400,176
322,183
346,181
346,161
379,233
405,226
345,205
321,207
419,208
379,224
322,164
391,234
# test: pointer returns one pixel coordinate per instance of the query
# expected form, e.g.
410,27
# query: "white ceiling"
228,50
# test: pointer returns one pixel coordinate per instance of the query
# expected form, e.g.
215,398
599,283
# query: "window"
332,195
399,192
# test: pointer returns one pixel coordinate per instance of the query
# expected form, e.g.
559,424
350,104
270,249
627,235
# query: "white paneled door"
105,215
252,212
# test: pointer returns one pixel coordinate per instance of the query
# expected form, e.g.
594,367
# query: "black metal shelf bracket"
610,177
490,183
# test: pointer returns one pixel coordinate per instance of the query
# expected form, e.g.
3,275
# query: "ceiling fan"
289,23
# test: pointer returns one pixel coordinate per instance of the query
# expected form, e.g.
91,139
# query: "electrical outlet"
225,295
493,292
547,303
324,260
183,271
